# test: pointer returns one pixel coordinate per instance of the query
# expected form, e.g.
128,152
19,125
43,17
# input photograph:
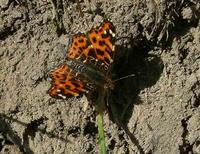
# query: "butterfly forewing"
79,47
102,40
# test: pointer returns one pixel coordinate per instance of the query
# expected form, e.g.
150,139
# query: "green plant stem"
100,108
102,143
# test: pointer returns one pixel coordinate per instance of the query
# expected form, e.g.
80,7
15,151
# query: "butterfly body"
91,74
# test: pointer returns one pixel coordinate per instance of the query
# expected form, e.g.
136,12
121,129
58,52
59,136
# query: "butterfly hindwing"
66,84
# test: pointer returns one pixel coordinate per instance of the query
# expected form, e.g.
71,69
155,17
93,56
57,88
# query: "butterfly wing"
94,48
66,84
79,47
102,39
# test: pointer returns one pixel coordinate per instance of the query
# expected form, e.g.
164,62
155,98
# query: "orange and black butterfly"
89,63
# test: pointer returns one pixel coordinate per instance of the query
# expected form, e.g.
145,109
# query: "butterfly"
88,64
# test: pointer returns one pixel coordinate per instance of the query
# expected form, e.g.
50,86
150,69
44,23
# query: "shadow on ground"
147,70
10,137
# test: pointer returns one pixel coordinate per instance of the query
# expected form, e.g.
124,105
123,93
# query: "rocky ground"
156,111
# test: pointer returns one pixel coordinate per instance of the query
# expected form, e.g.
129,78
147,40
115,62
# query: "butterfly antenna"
125,77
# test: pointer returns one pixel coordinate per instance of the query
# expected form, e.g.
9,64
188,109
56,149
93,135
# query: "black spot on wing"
104,36
76,84
84,47
63,76
67,86
57,76
101,30
94,39
102,43
92,53
81,41
62,82
100,52
80,48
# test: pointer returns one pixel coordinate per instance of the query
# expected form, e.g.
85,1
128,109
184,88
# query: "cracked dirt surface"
159,108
